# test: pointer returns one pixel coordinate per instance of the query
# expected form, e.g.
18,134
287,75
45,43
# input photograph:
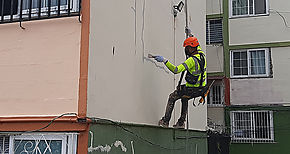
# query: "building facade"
40,71
255,47
76,77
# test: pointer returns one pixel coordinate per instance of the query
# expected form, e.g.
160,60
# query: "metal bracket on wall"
177,8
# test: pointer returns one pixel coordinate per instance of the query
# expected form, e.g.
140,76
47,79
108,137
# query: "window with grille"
216,95
21,10
34,143
4,144
250,63
252,126
239,8
214,31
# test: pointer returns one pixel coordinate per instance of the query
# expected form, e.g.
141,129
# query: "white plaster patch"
132,146
119,143
107,148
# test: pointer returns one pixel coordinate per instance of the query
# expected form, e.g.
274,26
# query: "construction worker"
195,65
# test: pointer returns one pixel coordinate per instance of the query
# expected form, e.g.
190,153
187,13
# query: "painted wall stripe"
214,16
260,45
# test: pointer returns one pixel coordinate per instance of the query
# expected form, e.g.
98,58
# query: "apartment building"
40,71
255,49
75,77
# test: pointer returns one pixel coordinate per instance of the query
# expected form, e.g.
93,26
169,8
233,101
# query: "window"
48,143
250,63
252,126
248,7
4,144
216,94
214,31
16,10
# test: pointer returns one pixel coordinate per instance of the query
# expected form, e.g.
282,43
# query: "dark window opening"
8,7
260,6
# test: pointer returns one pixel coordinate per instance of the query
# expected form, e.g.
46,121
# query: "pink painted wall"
39,67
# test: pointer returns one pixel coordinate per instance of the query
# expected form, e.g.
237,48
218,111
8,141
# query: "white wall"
268,90
39,67
261,29
127,86
214,7
215,58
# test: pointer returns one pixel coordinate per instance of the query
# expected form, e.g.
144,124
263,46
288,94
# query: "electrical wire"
283,18
42,128
136,135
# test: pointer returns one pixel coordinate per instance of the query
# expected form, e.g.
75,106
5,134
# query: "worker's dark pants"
182,94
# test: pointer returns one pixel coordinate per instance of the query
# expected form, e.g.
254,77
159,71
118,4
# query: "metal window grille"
25,10
252,126
250,63
214,31
216,95
4,144
40,143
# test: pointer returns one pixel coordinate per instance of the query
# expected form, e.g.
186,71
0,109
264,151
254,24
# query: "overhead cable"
138,136
37,130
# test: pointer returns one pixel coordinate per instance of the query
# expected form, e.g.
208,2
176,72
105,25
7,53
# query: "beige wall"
261,29
214,7
215,58
39,67
265,91
126,86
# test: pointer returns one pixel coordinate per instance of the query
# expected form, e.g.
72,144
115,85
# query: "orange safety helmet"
191,41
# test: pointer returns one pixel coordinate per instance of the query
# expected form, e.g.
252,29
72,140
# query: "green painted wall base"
119,138
281,116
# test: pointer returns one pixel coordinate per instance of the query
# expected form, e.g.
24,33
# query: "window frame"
208,34
247,15
267,63
69,140
252,127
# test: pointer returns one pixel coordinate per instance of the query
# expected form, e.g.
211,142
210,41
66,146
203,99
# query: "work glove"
160,59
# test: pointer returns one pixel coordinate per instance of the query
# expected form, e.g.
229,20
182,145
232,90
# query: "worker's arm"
180,68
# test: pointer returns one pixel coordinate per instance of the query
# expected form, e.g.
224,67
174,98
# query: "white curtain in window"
258,62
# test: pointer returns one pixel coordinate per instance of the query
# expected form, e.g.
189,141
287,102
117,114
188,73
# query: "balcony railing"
26,10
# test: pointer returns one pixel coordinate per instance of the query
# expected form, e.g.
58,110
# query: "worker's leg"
173,97
184,110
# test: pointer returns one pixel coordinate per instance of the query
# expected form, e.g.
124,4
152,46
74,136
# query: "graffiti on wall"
108,147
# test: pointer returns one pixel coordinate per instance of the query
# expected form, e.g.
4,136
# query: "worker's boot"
180,125
162,123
